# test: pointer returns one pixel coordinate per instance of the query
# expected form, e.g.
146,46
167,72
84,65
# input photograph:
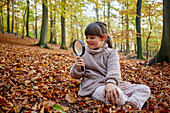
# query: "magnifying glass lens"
78,48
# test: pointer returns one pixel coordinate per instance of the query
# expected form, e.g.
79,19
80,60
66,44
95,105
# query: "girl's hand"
112,93
79,63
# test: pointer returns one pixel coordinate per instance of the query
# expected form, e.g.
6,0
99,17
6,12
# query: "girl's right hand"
112,93
79,62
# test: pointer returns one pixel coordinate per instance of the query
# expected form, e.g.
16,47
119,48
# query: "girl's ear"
104,36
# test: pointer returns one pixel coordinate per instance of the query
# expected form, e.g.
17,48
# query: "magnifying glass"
79,49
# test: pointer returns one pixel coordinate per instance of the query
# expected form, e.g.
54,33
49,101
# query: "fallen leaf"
70,98
49,103
42,110
58,107
65,108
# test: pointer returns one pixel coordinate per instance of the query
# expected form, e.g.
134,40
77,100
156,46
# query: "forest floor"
34,79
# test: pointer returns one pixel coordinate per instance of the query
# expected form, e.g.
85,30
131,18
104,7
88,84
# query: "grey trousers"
134,93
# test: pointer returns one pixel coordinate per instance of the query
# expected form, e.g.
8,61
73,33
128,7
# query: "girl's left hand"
112,92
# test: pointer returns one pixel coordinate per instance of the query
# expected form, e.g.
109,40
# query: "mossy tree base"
160,58
42,46
71,44
141,57
63,47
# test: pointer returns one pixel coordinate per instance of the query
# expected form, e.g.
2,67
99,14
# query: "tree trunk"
2,21
138,29
81,30
51,23
44,28
144,44
164,53
54,26
121,47
147,54
77,30
23,25
36,19
16,25
97,11
8,16
63,43
121,44
27,22
127,32
12,27
72,31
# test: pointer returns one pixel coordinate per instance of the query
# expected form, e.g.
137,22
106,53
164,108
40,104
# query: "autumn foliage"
37,79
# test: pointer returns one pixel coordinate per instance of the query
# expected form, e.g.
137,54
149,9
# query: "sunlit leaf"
70,98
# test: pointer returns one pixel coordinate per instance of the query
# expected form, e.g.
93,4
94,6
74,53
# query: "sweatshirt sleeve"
74,73
113,68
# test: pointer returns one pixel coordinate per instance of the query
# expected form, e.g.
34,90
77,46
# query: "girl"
101,78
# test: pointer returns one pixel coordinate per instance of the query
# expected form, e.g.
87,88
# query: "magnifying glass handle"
82,68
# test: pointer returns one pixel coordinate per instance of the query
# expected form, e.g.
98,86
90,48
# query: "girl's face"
94,42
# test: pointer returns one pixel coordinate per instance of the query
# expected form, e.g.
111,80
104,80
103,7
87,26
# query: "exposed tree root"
42,45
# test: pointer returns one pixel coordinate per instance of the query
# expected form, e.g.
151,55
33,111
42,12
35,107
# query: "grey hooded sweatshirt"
101,66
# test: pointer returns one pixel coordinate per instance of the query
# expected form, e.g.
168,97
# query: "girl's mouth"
90,44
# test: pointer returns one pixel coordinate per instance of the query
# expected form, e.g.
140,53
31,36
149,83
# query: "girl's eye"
93,37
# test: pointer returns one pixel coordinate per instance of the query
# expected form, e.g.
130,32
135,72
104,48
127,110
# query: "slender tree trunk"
44,28
127,36
12,27
164,53
36,19
127,32
2,21
16,25
51,23
97,11
121,45
23,25
17,22
147,54
54,31
81,30
27,22
144,44
8,16
77,32
63,44
72,31
138,29
0,18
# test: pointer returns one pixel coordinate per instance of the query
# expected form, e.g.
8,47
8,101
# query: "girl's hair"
98,29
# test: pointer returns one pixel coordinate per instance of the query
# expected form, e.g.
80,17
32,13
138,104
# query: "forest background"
67,20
